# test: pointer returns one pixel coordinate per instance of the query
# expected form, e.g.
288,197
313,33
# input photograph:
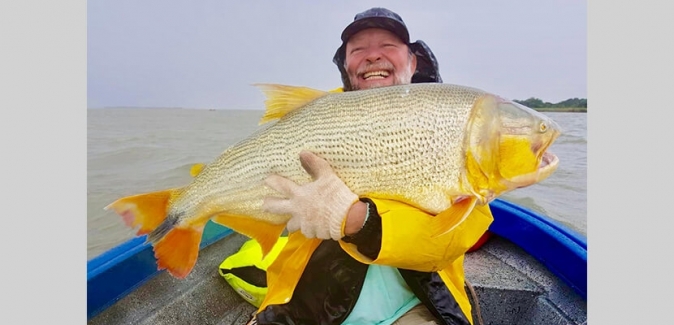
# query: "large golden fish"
438,147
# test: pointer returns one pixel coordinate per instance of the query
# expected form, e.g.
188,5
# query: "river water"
135,150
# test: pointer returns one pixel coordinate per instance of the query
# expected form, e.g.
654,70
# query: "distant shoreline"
562,109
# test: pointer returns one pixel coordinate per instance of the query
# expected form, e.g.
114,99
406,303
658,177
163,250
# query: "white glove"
318,208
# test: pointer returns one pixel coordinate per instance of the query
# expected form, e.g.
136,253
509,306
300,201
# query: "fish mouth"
549,161
548,165
374,75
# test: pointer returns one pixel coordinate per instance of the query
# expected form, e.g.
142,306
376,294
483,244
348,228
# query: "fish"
442,148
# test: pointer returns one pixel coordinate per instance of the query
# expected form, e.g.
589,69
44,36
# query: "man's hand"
318,208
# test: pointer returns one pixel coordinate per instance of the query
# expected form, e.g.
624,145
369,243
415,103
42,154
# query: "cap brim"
389,24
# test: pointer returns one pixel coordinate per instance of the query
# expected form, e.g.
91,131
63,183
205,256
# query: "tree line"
569,103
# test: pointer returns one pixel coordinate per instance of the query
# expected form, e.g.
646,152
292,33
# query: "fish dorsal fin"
282,99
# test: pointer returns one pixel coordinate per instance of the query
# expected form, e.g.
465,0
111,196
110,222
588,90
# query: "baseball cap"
377,18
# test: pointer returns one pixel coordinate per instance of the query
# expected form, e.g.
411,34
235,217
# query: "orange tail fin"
147,210
175,248
177,252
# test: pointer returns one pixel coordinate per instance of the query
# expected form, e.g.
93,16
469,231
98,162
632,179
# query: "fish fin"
266,234
175,251
447,220
196,169
178,250
282,99
147,210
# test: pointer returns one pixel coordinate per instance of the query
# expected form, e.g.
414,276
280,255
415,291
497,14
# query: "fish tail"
176,247
146,210
158,233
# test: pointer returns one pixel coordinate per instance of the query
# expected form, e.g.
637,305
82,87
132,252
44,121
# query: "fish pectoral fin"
196,169
447,220
282,99
266,234
177,252
147,210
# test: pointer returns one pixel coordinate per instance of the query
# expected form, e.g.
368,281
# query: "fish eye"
543,127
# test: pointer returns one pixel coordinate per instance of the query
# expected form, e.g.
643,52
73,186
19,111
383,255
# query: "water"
562,196
135,150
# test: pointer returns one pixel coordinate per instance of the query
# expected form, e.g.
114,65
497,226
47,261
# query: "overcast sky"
207,54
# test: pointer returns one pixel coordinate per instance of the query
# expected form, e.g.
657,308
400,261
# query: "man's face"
376,57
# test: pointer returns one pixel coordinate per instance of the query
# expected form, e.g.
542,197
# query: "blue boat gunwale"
120,270
560,249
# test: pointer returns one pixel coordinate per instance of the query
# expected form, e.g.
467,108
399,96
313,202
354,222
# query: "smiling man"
376,51
376,57
359,270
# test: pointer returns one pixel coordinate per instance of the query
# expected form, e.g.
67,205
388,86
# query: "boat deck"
512,288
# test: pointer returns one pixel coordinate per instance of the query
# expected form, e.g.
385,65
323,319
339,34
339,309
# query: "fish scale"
432,146
402,141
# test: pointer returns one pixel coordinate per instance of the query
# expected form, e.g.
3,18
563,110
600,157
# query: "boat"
531,270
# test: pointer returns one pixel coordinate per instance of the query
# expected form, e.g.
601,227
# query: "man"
359,260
